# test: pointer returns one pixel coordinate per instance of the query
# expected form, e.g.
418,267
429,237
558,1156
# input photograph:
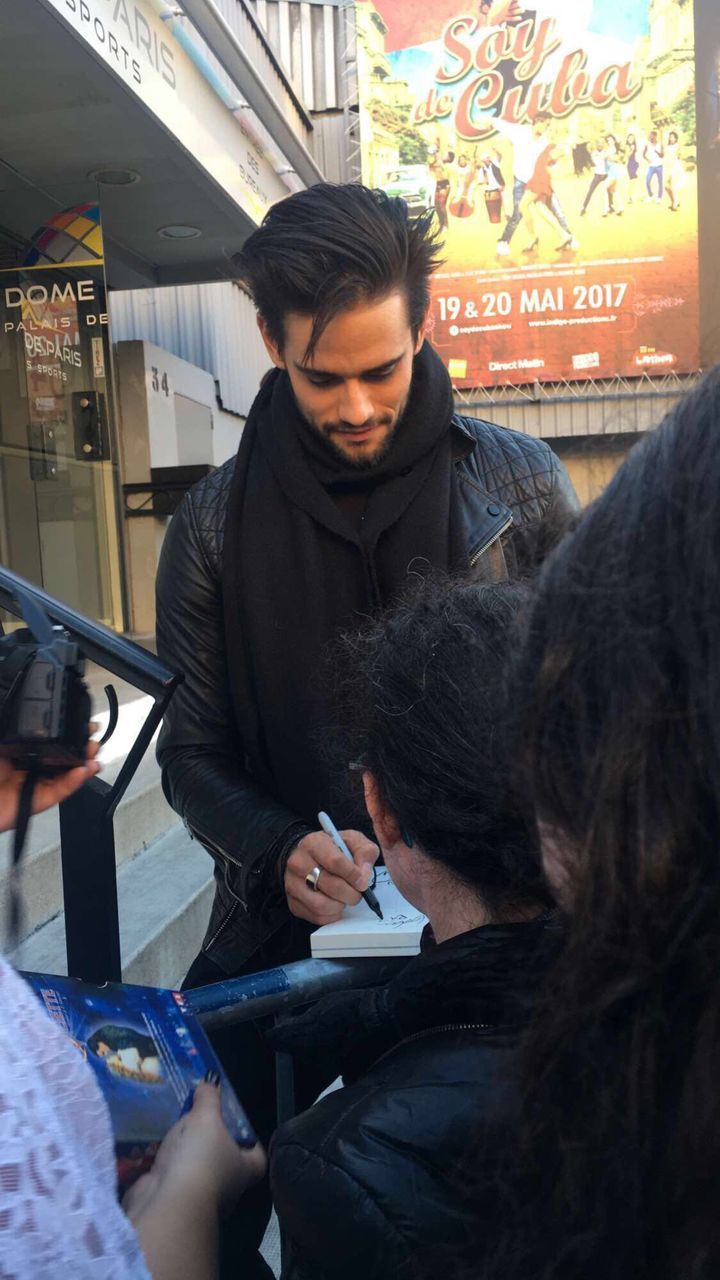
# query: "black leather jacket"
516,502
369,1183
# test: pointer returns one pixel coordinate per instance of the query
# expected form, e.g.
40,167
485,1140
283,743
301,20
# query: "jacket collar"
485,977
485,517
465,442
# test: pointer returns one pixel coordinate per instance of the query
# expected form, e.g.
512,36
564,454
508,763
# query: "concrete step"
142,816
164,896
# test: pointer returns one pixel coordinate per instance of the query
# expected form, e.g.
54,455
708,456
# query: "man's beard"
360,463
357,463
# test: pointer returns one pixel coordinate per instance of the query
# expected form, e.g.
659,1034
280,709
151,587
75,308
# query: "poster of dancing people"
556,147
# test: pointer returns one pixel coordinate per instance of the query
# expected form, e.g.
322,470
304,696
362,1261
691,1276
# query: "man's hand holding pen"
339,882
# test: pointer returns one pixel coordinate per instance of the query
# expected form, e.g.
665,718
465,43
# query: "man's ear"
384,823
426,327
271,346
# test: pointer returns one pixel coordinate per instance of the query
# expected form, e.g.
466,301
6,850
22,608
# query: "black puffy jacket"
371,1182
516,501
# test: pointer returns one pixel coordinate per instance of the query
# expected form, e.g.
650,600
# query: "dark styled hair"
427,708
621,739
326,249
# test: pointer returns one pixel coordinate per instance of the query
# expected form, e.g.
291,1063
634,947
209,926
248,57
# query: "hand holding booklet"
360,933
148,1053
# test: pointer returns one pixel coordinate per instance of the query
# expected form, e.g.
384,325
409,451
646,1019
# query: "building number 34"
160,381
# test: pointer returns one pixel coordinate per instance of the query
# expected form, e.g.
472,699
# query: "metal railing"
277,991
87,837
92,930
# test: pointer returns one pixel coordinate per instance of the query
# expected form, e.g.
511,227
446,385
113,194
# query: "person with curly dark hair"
366,1182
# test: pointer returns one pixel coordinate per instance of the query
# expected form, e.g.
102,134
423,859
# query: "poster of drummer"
555,147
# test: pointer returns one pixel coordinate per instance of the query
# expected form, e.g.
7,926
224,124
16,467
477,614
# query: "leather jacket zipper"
431,1031
479,551
447,1026
196,834
208,946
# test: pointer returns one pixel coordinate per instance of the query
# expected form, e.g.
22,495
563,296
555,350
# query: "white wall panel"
210,325
245,21
310,38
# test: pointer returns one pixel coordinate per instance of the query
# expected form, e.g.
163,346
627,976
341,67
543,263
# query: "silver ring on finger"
312,878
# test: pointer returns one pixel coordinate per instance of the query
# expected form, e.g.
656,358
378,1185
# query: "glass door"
58,481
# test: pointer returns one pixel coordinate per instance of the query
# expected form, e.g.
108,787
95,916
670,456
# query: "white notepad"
360,933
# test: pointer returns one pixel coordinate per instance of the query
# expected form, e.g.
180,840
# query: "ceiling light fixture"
178,231
114,177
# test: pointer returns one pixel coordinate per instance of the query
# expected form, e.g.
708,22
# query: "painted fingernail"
212,1077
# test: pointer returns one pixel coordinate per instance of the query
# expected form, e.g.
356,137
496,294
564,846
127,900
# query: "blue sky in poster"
416,66
625,21
628,20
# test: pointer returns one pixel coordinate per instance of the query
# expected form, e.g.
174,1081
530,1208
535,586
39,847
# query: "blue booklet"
148,1052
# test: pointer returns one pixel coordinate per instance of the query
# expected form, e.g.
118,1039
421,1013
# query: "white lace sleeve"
59,1214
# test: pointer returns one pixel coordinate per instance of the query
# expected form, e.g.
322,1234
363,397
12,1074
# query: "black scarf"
297,572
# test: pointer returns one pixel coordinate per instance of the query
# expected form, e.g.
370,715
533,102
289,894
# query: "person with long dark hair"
464,178
616,173
633,165
600,166
439,170
619,1148
675,176
365,1182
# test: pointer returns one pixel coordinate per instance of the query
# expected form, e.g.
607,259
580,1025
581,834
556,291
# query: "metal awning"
239,65
102,84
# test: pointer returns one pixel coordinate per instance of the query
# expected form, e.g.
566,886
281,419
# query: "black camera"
44,702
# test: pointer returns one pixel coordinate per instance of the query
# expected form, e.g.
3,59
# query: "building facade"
181,125
140,143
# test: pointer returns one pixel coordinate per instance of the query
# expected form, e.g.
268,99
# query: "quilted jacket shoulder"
209,502
519,470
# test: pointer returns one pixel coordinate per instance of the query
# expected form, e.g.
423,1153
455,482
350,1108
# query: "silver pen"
331,830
